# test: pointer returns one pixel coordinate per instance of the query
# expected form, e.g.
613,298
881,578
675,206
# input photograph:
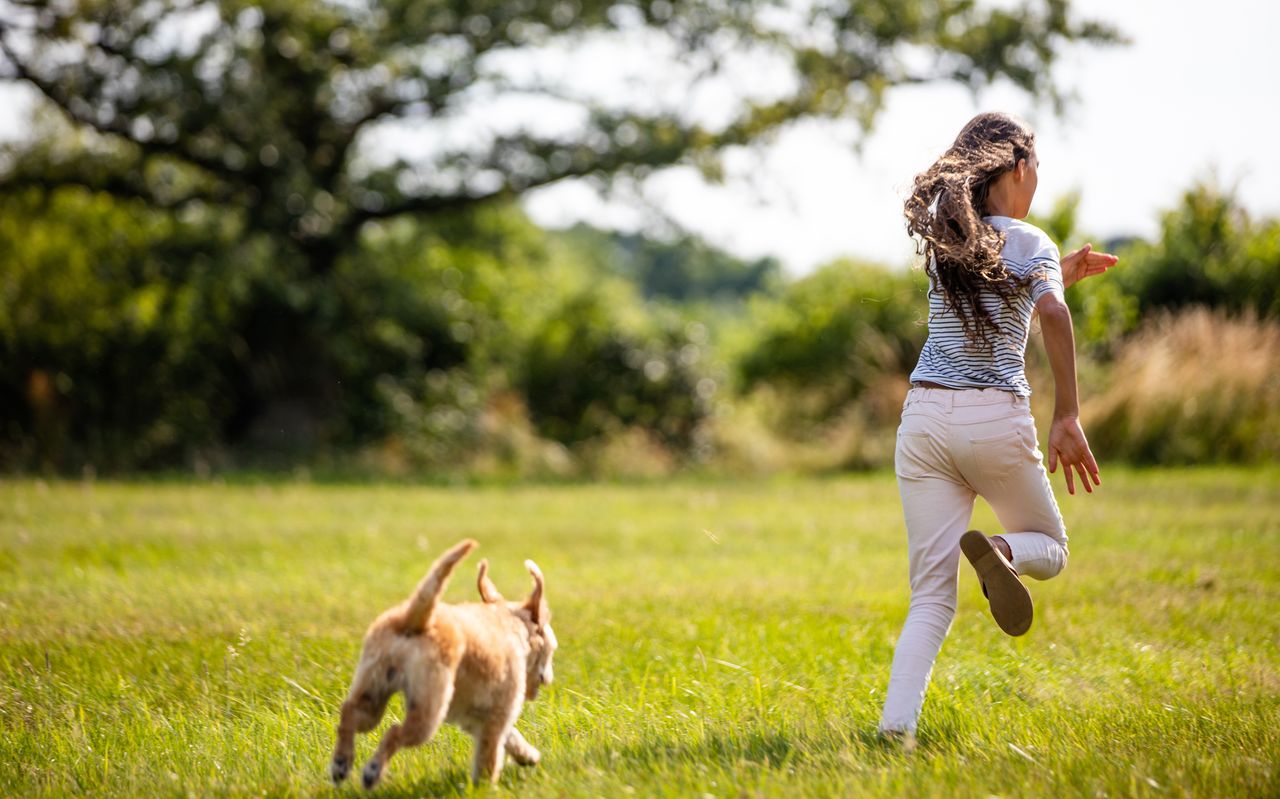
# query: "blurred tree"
261,105
683,269
301,126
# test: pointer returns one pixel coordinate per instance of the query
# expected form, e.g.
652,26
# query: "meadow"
718,638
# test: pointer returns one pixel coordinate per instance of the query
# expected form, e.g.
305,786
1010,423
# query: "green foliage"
836,330
584,375
417,305
509,308
685,269
256,132
1210,253
124,347
1180,341
113,330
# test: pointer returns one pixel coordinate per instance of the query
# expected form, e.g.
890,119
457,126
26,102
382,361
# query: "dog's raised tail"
423,601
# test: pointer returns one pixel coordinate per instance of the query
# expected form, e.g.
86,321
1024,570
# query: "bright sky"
1195,95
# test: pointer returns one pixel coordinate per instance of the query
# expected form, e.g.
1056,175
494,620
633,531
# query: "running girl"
966,425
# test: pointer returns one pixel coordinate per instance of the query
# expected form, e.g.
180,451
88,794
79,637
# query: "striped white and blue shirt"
950,359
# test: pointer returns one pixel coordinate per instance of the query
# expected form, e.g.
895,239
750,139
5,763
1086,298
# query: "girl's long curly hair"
944,214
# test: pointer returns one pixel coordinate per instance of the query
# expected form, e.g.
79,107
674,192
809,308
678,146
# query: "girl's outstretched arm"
1084,262
1067,443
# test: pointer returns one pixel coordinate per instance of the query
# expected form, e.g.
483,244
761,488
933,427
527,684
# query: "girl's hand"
1068,445
1084,262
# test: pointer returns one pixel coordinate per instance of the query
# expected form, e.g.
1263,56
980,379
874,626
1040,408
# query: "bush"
1195,387
761,433
833,334
823,371
113,325
586,373
1210,253
423,318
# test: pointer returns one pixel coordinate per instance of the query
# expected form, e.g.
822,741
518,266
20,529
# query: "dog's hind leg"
360,713
521,750
425,710
345,748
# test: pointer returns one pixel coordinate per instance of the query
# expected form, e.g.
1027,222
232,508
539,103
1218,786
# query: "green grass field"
717,639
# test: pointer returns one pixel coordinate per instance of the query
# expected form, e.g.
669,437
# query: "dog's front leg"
487,763
521,750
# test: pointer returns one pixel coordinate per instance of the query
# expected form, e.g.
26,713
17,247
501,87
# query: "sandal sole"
1010,600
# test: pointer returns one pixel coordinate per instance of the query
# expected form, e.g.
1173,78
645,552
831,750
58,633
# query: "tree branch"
116,185
152,147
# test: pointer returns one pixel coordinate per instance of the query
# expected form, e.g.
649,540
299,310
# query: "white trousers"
952,447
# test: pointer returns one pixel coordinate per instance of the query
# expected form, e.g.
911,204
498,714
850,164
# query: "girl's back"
952,358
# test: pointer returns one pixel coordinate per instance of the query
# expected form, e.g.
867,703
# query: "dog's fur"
472,664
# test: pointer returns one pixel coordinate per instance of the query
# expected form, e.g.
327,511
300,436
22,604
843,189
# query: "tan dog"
472,664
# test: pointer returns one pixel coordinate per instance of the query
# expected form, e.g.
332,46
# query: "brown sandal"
1009,599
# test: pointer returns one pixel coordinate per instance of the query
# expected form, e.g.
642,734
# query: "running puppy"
472,664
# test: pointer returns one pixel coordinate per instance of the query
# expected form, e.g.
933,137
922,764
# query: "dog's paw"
528,756
340,768
371,774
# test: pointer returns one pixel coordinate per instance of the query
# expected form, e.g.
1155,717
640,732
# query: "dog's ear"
488,591
534,603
